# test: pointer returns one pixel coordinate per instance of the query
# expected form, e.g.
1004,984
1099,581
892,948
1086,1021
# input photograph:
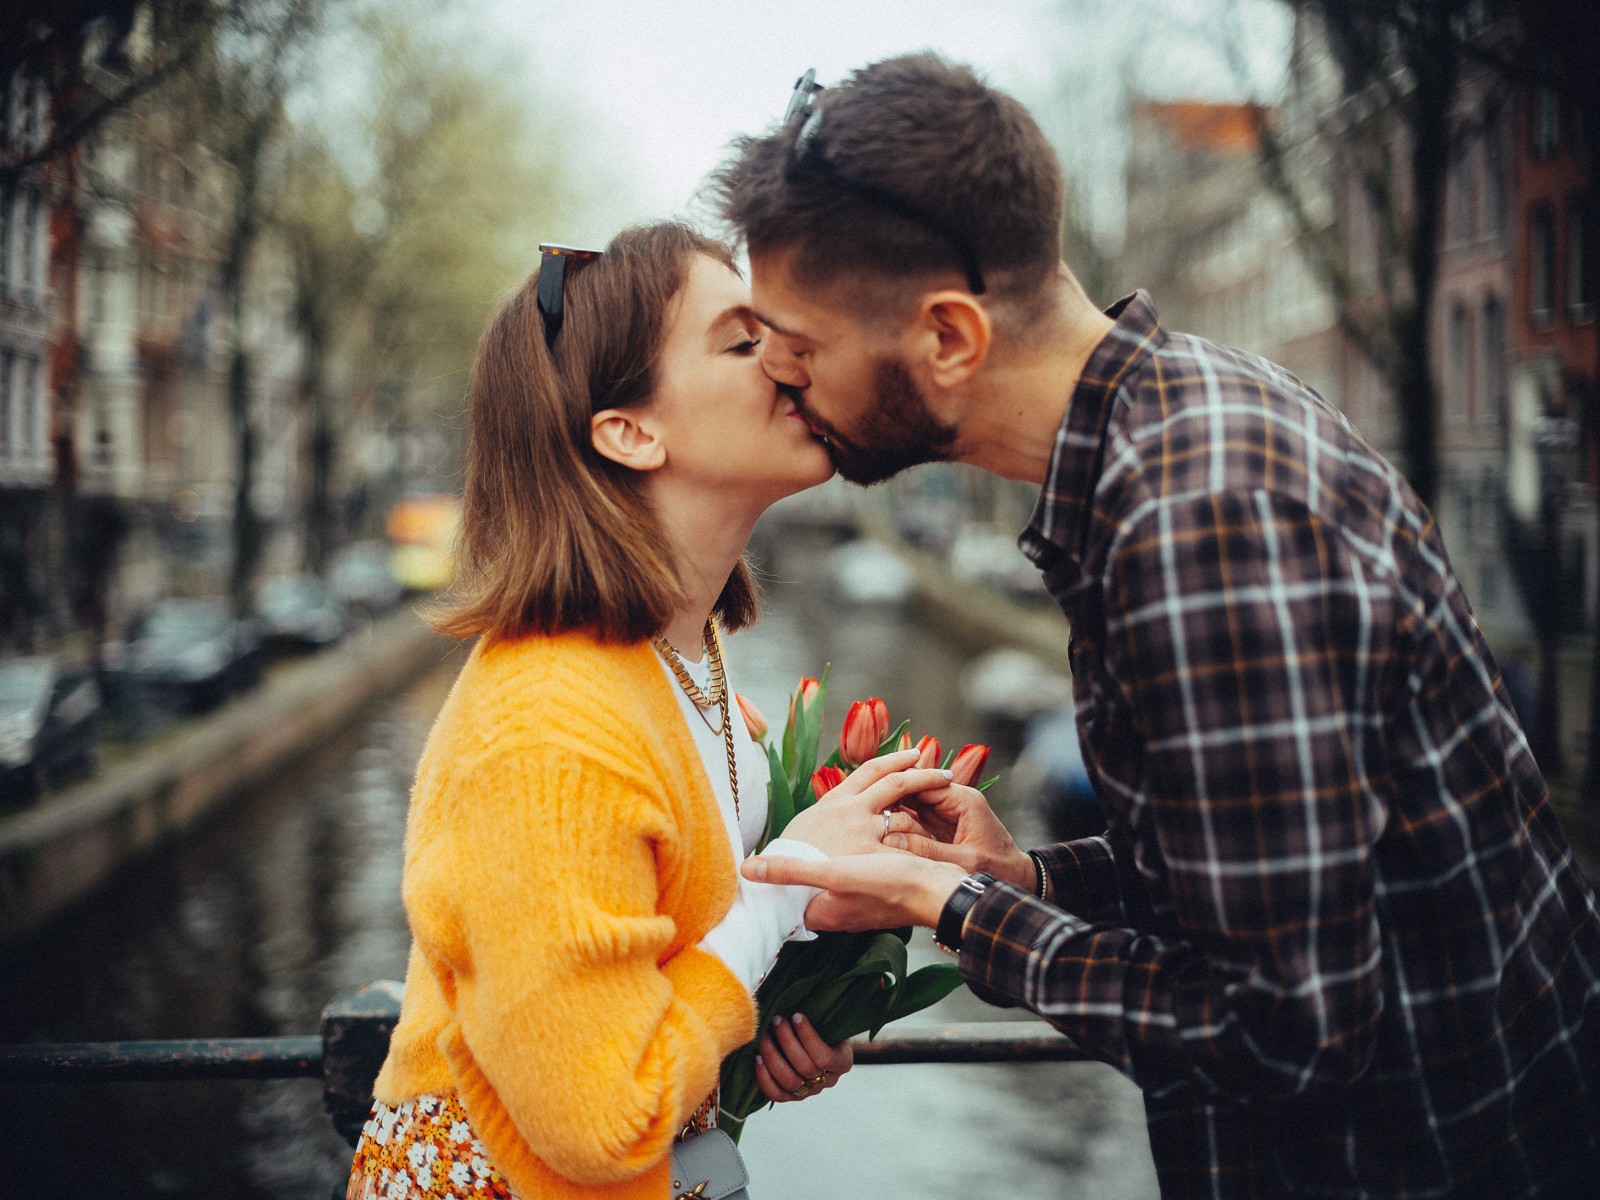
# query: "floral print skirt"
423,1150
426,1150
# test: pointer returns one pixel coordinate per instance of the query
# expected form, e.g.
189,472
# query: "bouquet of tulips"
845,983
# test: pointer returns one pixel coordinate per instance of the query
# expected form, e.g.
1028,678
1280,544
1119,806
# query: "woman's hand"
850,819
794,1062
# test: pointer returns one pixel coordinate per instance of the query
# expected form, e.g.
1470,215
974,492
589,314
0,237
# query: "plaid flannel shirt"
1334,931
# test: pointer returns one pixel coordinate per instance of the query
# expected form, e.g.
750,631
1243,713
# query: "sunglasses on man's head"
554,263
806,156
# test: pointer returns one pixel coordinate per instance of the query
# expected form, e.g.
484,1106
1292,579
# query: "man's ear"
953,333
626,436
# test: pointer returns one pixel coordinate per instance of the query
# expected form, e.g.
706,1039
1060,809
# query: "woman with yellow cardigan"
584,950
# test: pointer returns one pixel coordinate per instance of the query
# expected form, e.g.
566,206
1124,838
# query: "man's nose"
781,364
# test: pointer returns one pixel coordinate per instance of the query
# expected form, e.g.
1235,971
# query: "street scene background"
246,249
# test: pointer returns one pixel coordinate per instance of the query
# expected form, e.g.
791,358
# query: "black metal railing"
354,1037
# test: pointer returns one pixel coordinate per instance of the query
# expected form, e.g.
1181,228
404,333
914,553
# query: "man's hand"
956,825
865,891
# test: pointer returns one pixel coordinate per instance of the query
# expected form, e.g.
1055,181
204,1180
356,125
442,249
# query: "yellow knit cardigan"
564,856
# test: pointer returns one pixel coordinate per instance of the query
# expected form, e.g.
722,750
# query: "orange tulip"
968,764
905,741
753,720
928,751
825,779
865,727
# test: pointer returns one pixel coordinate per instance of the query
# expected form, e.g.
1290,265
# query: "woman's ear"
954,332
627,436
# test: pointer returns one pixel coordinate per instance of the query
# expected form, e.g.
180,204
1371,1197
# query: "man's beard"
895,431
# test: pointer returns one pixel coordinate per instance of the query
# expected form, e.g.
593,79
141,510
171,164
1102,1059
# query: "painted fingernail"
760,1062
799,1018
949,774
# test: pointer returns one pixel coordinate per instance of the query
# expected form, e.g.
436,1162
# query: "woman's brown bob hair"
554,536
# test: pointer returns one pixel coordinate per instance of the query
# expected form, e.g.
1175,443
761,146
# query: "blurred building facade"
1555,387
1214,247
1512,324
29,312
119,454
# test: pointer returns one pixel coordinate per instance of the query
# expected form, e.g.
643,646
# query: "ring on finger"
801,1092
817,1081
887,818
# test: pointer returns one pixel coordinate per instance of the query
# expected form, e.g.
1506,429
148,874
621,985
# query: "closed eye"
747,347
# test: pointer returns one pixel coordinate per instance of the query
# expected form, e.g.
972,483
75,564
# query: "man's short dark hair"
927,131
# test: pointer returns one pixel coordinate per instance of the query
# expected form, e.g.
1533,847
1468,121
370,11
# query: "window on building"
31,235
1494,172
5,242
1580,262
95,285
1467,533
1488,597
1541,264
31,443
1546,122
1458,403
16,108
7,437
1460,189
38,114
1494,362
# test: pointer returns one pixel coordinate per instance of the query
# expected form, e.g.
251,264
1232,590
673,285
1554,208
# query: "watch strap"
953,916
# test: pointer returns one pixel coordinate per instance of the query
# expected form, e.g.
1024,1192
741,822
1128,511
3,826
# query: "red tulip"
928,751
805,695
825,779
968,764
753,720
865,727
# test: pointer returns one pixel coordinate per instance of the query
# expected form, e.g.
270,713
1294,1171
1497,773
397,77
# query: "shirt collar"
1062,513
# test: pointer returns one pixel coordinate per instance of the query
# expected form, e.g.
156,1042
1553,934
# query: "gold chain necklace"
719,696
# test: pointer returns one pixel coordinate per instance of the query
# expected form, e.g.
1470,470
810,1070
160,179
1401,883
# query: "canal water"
292,897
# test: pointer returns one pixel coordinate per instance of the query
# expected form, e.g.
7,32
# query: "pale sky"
659,88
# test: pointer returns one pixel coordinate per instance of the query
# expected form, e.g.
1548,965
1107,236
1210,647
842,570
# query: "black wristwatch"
954,913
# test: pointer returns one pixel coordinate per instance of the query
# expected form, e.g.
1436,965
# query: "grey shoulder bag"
708,1167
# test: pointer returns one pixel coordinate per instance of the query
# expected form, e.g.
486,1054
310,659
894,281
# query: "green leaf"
780,809
808,732
855,1009
923,988
891,743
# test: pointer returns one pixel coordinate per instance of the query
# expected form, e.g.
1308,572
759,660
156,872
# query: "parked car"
190,655
299,612
362,579
49,727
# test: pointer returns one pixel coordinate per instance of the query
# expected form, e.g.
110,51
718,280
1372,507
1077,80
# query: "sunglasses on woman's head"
554,263
806,156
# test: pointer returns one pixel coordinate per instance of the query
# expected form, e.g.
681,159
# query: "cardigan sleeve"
582,1018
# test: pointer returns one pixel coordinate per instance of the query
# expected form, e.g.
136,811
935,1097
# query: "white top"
764,916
